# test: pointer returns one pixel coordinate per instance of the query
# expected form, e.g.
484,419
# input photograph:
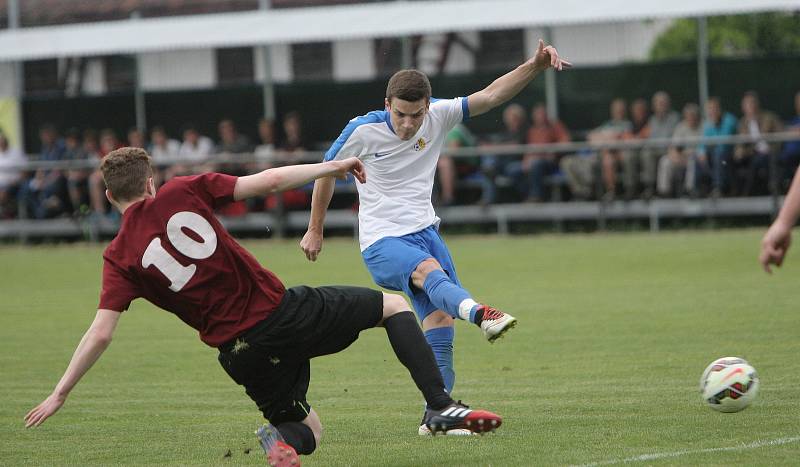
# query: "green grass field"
614,332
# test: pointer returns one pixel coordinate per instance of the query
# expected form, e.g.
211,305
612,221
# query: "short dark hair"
125,171
409,85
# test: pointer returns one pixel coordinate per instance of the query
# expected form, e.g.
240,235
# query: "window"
41,75
388,56
312,61
500,50
235,66
120,72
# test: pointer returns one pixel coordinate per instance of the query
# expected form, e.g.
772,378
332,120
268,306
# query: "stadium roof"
393,19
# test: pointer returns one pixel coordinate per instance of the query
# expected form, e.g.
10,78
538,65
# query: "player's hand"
774,245
547,57
351,165
311,244
43,411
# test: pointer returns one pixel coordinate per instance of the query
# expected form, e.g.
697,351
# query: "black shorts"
271,359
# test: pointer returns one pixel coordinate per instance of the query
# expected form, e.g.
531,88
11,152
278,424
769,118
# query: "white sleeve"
451,112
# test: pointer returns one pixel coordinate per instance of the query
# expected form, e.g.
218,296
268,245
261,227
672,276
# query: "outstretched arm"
511,83
778,238
286,178
311,244
93,344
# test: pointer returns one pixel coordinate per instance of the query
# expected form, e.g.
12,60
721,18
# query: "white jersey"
396,199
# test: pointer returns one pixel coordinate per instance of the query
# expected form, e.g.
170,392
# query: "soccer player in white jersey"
398,227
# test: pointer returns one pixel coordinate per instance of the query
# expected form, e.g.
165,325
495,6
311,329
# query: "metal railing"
501,215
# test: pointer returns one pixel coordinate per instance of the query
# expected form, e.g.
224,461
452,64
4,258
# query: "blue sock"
444,293
441,342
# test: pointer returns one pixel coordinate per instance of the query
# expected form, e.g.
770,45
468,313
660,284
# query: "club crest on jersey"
420,144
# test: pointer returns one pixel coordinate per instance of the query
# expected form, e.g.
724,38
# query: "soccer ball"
729,384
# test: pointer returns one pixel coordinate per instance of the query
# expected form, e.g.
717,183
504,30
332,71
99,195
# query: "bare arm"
286,178
778,238
311,244
510,84
92,345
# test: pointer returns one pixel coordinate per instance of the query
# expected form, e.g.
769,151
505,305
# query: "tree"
728,36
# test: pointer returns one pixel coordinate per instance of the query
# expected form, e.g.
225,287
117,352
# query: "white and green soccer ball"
729,384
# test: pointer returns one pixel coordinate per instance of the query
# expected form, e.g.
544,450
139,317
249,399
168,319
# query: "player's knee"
393,304
437,319
423,269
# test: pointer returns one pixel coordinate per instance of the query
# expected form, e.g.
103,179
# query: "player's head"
408,96
128,175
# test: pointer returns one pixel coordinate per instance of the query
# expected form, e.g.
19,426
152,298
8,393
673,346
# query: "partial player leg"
409,346
450,297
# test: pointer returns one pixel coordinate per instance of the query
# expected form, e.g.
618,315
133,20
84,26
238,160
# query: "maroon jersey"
172,251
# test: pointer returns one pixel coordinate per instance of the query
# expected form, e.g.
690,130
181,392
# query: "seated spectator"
790,157
618,127
45,194
539,166
631,158
136,138
292,149
162,147
164,151
753,159
672,165
449,169
195,146
640,116
100,208
230,140
712,162
91,144
661,125
265,151
10,177
76,177
506,165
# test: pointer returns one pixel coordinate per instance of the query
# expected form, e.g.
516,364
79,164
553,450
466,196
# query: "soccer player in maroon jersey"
172,251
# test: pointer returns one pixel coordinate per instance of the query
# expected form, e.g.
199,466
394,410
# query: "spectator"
91,145
661,125
136,138
712,161
539,166
230,140
10,178
507,165
448,168
194,145
265,152
76,177
753,159
45,194
162,147
615,129
640,114
97,188
672,165
164,151
291,151
293,147
790,157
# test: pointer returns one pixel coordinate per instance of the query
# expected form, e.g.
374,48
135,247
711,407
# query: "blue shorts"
391,260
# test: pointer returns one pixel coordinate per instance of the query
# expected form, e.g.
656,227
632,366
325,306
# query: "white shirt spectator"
9,158
201,150
165,152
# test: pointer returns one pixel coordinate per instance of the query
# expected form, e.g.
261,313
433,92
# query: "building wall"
188,69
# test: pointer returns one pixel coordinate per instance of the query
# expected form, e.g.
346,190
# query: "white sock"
465,307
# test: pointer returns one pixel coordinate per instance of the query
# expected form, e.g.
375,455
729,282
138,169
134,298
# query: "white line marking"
664,455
